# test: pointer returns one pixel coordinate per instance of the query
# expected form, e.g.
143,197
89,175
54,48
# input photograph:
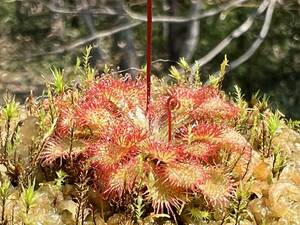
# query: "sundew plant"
185,146
100,151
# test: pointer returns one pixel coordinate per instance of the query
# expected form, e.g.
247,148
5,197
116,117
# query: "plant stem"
7,137
3,210
13,215
13,139
149,52
237,215
93,215
71,144
169,109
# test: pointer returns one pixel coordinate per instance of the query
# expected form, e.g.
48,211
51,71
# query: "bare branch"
263,33
233,35
88,39
152,62
55,9
177,19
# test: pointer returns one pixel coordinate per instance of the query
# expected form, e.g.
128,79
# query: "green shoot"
294,124
11,109
174,73
279,162
216,80
273,123
52,109
183,64
139,207
59,83
241,202
4,189
199,215
29,196
86,56
242,104
61,177
223,67
213,80
88,71
144,69
77,66
4,193
83,68
197,75
186,69
9,112
106,69
42,119
261,102
239,97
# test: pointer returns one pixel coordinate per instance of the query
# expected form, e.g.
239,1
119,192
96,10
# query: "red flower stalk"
149,52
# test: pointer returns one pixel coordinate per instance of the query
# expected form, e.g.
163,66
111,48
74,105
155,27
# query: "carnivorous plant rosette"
172,152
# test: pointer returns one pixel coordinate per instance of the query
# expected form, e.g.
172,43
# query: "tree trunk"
88,20
172,36
193,33
124,44
57,20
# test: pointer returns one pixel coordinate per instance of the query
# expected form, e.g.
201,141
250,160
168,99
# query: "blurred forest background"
260,37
